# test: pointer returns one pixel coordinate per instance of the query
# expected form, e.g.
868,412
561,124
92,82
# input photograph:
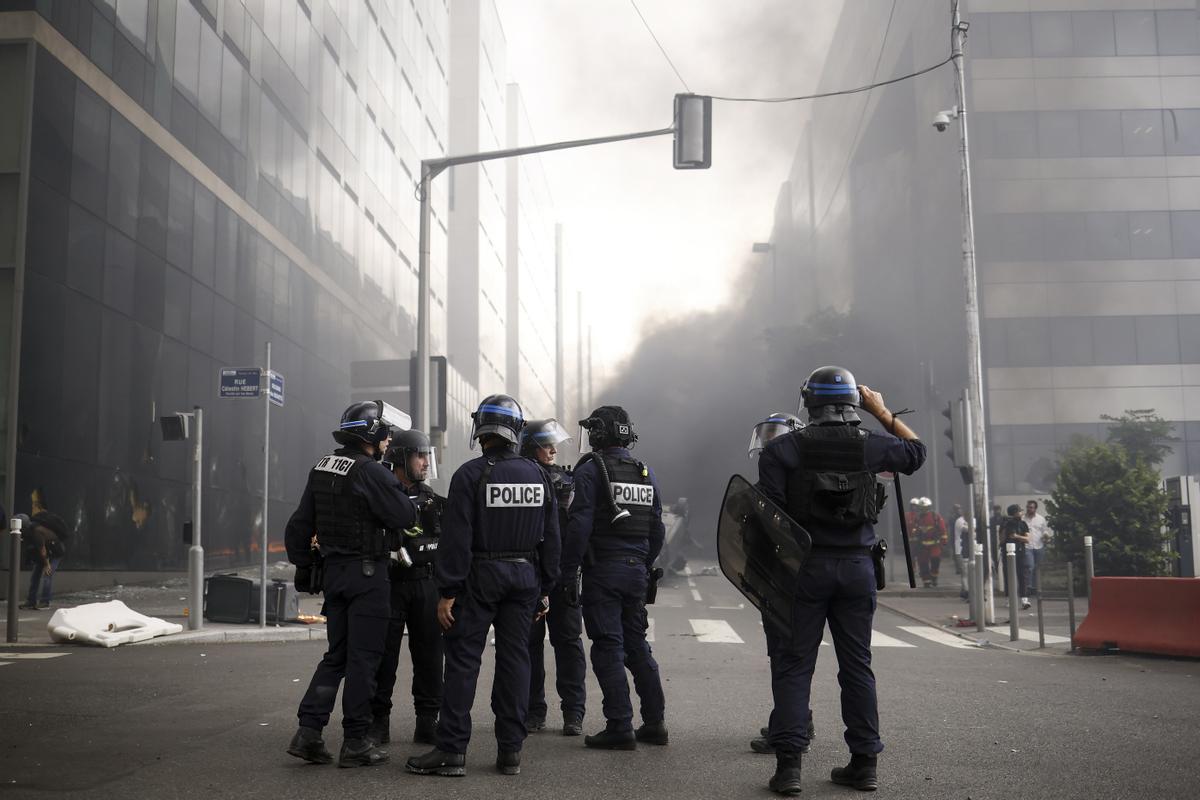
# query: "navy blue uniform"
414,606
837,584
499,553
616,568
566,630
355,588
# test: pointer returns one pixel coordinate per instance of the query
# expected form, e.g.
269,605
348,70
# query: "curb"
235,636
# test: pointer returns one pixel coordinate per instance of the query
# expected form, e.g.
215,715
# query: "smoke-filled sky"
653,243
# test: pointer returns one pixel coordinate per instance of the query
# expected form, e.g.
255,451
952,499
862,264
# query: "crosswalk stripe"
715,631
31,656
883,640
941,637
1031,636
650,629
5,663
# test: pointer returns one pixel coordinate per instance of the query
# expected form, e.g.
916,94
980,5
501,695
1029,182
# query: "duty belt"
630,560
517,556
413,573
839,552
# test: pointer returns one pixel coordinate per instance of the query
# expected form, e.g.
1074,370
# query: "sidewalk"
167,599
942,608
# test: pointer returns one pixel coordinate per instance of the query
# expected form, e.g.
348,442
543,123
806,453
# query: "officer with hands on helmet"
498,555
540,439
349,505
824,476
615,533
414,595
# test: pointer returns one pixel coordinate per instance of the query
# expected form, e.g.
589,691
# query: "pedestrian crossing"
11,658
723,632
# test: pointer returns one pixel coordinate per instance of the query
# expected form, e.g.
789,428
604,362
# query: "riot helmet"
830,396
773,426
370,422
607,426
499,415
542,433
411,443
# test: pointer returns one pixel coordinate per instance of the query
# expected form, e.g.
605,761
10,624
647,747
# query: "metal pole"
1014,606
1037,588
933,462
969,576
421,409
196,551
974,350
1089,565
1071,600
14,576
262,595
980,622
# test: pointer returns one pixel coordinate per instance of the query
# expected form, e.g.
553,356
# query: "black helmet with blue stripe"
370,421
830,395
499,415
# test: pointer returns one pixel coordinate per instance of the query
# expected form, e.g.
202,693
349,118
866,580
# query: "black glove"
303,579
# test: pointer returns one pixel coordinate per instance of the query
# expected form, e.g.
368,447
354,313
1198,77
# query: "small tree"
1144,435
1116,498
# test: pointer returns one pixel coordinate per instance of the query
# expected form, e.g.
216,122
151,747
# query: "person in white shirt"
1039,535
962,548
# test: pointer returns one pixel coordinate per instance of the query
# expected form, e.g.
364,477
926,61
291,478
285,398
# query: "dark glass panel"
89,167
120,272
124,166
85,253
180,212
46,229
152,221
53,122
149,289
177,304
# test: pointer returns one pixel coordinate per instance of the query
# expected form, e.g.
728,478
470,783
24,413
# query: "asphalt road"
958,721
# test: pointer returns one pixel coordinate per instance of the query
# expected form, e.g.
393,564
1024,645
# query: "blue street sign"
276,391
241,382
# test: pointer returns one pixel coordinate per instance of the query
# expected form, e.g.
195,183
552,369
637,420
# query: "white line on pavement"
4,663
696,596
31,656
883,640
941,637
650,629
714,631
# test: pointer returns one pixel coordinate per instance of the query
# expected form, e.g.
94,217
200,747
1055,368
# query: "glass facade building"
181,182
1084,123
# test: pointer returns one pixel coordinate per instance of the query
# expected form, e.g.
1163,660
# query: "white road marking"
714,631
4,663
31,656
696,596
883,640
727,608
650,629
1031,636
939,636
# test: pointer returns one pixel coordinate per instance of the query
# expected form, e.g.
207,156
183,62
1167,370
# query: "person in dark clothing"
499,553
45,535
414,598
348,507
615,533
540,440
824,477
1014,530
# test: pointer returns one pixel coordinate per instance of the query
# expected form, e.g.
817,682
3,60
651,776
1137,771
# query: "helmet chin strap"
839,414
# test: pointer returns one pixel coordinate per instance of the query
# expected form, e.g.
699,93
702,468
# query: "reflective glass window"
1058,134
1135,33
129,68
233,94
116,364
1181,130
1066,236
89,167
124,167
53,122
1093,33
179,218
177,304
1189,338
222,330
85,252
1114,340
1015,134
1150,234
1178,32
149,289
152,220
1100,133
1157,340
204,231
120,269
1108,235
187,50
102,33
1185,234
1052,34
200,330
1028,342
80,362
225,259
1071,342
131,18
211,51
1142,132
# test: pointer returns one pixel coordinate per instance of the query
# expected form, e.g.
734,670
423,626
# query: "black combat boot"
308,744
508,763
786,779
763,743
379,731
360,753
612,738
438,762
426,729
652,733
572,725
534,723
859,773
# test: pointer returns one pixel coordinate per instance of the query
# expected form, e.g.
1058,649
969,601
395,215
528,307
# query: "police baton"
912,581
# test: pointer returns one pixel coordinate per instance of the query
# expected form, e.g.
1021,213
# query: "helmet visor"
765,431
552,434
393,417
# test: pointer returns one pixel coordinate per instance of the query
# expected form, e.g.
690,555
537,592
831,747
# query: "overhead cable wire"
838,92
661,49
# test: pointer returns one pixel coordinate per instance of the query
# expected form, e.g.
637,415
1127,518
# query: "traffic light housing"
693,131
958,431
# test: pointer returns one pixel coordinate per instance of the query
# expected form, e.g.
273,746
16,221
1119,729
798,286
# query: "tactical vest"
492,497
832,485
421,540
344,522
631,488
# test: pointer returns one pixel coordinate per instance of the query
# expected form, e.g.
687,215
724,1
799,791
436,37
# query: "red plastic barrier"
1143,615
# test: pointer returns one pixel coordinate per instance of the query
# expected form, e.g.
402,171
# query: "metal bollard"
1014,607
1037,589
969,575
1089,565
1071,600
979,610
14,577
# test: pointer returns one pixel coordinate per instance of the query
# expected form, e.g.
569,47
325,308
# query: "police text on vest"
514,495
633,494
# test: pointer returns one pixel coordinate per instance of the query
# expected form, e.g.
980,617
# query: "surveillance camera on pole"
942,119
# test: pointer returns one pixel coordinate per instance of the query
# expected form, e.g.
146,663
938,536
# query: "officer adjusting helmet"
407,444
607,426
542,433
370,422
774,426
499,415
830,395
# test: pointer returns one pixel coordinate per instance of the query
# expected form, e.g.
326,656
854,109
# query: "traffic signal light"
693,131
958,415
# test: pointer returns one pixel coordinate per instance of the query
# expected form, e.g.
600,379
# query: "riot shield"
760,550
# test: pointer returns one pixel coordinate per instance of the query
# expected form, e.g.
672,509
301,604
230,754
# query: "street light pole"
970,278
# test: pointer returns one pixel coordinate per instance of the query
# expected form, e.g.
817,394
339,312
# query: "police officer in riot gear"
499,553
824,476
350,503
615,533
414,595
540,439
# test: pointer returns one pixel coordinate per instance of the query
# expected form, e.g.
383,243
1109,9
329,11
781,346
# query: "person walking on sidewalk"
1013,530
1039,535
